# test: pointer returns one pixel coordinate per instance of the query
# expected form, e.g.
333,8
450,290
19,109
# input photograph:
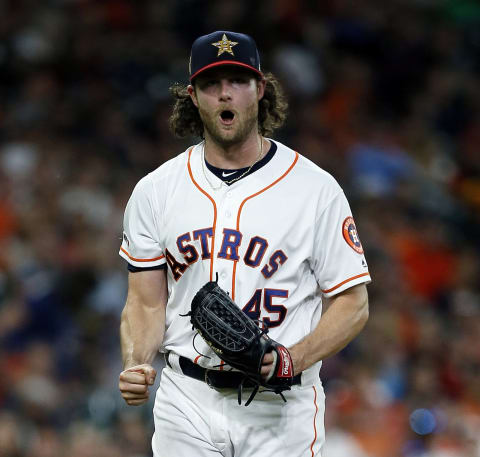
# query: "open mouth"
227,116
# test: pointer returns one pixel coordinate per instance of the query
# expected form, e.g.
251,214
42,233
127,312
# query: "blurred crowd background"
385,95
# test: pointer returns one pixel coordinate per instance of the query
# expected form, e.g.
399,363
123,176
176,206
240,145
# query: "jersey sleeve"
140,242
339,261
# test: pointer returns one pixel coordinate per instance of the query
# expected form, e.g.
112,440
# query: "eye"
208,83
239,80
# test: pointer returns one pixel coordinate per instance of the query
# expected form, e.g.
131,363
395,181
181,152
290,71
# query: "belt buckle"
207,379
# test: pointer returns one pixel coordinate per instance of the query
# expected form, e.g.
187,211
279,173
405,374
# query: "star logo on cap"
225,45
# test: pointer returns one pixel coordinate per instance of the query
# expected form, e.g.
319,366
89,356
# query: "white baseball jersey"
278,239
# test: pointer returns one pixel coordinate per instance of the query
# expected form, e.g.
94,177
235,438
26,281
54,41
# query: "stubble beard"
238,134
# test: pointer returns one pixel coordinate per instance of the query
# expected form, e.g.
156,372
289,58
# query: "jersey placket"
228,242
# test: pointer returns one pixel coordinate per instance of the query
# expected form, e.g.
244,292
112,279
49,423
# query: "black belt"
218,378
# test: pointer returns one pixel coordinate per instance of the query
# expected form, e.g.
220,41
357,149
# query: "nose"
225,90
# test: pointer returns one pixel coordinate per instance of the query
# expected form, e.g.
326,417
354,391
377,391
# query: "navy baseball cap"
224,48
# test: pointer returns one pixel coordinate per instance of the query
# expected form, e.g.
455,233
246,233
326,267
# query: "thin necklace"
234,179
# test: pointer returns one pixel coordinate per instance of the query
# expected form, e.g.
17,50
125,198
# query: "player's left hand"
268,364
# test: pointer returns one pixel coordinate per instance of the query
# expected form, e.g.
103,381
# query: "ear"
193,95
261,83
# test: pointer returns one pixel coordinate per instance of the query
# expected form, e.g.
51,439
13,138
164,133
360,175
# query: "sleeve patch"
351,236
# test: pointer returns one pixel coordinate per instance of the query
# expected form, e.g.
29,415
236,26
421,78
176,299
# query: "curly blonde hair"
272,110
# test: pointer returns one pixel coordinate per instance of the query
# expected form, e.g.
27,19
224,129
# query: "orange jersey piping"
214,211
140,260
343,282
241,207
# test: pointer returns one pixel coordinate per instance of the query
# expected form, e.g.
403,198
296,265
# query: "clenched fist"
134,382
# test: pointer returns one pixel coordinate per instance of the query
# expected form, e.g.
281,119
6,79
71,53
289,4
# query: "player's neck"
235,156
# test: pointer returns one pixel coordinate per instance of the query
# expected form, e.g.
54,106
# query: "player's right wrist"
130,363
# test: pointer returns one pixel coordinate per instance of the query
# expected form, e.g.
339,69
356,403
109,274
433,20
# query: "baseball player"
278,233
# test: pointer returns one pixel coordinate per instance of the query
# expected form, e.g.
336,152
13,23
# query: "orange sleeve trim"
344,282
214,211
248,198
140,260
314,421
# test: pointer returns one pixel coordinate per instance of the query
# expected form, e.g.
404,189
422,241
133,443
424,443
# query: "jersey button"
228,213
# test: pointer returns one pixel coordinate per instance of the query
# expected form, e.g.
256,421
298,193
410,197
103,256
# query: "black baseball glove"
239,341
